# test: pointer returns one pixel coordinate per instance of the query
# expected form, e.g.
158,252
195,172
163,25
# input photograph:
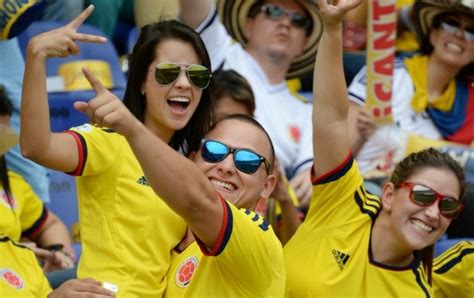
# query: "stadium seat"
62,114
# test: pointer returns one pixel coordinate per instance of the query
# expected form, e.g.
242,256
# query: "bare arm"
193,12
55,232
330,133
175,178
38,143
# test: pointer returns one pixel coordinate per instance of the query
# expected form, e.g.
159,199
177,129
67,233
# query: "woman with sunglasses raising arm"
230,251
353,243
127,231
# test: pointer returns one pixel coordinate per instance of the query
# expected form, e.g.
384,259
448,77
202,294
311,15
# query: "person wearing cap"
277,39
352,243
453,274
433,92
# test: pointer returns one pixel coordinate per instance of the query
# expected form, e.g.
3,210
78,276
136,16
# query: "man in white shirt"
278,40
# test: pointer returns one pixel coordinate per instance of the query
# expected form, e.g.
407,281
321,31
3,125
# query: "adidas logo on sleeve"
341,258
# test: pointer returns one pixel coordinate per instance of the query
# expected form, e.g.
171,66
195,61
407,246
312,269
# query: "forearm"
193,12
55,232
35,127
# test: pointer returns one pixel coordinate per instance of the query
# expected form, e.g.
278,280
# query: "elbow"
28,150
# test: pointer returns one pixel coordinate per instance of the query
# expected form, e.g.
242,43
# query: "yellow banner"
381,38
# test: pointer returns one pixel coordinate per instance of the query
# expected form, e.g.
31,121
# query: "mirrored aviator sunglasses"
245,160
275,12
424,196
168,72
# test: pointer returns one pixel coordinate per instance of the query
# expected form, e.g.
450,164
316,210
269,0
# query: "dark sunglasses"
168,72
452,26
275,13
245,160
424,196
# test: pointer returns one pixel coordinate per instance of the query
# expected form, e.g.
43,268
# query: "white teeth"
454,47
179,99
421,225
223,184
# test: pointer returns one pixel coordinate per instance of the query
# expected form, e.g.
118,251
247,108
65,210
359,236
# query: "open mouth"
178,104
420,225
224,185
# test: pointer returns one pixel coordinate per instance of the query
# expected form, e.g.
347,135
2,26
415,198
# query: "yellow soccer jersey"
23,213
247,261
127,231
20,273
330,256
453,272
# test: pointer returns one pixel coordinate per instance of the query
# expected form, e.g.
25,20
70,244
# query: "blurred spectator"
11,77
62,10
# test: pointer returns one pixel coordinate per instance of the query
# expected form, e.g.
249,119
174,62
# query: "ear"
192,156
306,44
388,196
269,186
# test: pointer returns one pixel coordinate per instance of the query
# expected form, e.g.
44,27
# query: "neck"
385,245
439,76
164,133
275,68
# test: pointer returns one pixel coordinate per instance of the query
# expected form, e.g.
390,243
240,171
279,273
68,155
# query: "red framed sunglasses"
424,196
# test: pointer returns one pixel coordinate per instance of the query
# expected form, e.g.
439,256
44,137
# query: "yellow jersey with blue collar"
20,273
22,213
127,231
330,255
246,261
453,272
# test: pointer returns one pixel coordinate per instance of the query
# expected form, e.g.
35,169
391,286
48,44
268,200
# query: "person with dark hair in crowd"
277,40
127,232
354,243
233,94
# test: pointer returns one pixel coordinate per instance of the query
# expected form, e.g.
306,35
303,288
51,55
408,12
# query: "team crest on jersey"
295,133
186,271
7,202
11,278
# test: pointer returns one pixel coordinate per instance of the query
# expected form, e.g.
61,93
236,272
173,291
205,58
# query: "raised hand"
333,11
106,110
365,124
62,41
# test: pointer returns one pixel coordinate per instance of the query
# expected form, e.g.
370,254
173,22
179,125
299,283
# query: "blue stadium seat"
62,114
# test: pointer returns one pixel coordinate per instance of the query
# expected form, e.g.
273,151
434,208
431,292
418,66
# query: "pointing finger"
95,83
77,22
89,38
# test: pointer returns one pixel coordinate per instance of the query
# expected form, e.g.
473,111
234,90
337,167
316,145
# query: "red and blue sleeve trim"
334,174
224,233
82,151
37,227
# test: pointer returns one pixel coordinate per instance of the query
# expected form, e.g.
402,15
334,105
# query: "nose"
433,211
227,165
285,19
183,81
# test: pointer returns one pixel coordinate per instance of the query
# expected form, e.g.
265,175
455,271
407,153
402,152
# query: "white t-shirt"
286,117
388,144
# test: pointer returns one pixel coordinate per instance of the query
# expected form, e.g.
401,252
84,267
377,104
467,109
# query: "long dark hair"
188,138
428,158
6,109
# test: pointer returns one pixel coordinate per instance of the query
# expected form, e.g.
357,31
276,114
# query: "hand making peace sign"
62,42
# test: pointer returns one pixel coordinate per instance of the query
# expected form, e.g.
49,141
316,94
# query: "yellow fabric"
127,231
27,208
329,254
20,273
250,265
417,67
294,85
75,80
453,272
